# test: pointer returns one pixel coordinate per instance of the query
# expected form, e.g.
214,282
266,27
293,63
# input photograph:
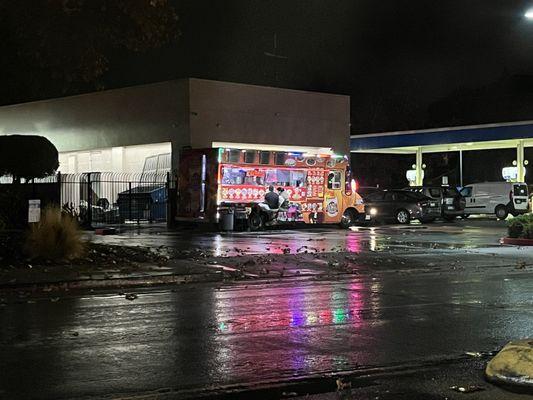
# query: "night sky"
394,58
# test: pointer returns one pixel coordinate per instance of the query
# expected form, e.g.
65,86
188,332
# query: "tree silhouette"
57,47
27,156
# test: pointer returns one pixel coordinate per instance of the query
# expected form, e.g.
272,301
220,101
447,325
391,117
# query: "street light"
529,14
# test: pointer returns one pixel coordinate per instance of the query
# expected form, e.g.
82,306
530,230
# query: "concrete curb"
516,241
513,366
113,283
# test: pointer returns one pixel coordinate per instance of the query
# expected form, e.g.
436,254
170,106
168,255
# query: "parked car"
499,198
365,191
401,206
450,199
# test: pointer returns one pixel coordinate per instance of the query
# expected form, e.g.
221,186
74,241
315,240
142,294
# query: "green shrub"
521,227
56,237
528,231
515,228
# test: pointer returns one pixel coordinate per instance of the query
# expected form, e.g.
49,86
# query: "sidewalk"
67,277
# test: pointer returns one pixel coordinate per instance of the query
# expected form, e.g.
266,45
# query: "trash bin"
227,219
146,202
240,219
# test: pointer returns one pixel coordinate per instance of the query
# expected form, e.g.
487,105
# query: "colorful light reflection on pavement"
294,313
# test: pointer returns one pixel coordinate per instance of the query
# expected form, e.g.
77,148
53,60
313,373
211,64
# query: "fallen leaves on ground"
131,296
467,389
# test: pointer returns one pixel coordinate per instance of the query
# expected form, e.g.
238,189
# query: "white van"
500,198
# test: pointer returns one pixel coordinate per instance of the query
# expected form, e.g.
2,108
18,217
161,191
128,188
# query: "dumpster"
146,202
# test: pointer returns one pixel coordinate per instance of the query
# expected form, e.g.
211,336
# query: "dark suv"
401,206
451,201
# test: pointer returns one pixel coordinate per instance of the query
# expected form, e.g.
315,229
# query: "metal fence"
104,198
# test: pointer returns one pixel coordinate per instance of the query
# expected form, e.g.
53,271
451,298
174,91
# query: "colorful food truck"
217,181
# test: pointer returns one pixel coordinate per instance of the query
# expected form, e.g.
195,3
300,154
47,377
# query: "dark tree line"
60,47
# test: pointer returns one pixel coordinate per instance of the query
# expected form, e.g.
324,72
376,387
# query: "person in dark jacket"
272,198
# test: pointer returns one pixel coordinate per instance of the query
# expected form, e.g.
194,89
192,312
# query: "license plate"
450,207
433,204
367,217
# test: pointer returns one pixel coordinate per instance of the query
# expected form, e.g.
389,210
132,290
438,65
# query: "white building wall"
115,159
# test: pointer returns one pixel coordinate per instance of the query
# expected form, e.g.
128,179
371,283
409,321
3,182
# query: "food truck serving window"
286,177
263,176
242,176
334,180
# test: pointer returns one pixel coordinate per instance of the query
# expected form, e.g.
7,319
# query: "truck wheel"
348,219
501,212
255,222
402,217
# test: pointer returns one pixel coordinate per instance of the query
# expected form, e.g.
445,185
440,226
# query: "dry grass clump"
56,237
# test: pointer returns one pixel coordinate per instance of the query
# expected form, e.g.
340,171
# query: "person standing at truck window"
283,197
272,198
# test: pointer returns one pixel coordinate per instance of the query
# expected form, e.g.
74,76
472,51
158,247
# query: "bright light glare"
373,211
529,14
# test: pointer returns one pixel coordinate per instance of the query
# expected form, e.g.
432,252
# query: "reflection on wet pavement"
456,235
189,337
203,336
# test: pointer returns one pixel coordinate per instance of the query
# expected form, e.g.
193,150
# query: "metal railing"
103,198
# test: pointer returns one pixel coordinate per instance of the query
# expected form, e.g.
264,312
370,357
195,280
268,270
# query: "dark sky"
393,57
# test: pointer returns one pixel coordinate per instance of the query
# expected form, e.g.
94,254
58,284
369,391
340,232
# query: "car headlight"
373,211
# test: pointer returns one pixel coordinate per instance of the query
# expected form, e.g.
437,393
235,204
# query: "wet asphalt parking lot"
457,292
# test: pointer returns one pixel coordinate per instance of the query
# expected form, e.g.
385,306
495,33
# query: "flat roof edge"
440,130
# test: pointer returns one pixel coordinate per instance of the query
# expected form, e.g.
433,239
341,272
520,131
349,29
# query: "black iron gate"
104,198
